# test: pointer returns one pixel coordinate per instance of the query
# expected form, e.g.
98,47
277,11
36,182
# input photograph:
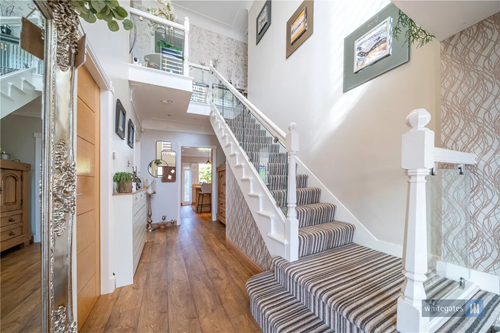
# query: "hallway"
187,281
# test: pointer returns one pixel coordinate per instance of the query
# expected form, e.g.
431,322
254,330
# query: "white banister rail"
418,156
292,223
156,19
252,108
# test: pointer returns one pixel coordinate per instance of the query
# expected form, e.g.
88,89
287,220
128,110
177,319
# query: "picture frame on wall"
131,134
263,21
371,50
299,27
120,118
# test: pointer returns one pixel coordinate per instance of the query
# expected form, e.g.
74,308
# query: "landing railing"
201,79
424,256
158,43
271,151
12,56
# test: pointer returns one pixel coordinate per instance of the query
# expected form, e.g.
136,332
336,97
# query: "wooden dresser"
15,225
221,196
129,234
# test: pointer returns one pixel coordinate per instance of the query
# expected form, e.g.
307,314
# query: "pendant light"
208,160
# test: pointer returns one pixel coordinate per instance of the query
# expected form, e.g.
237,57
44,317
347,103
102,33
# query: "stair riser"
305,196
314,216
324,237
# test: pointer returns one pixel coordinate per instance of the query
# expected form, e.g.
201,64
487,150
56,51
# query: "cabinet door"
222,184
11,195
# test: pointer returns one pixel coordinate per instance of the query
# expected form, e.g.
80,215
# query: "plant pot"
125,187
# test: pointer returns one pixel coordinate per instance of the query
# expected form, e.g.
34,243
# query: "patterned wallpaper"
470,94
241,228
206,45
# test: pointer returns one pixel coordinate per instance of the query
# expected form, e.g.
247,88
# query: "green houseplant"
123,182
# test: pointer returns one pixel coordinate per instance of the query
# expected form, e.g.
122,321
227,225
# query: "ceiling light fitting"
167,101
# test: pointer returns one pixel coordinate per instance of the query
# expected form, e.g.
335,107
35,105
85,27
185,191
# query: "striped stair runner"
336,285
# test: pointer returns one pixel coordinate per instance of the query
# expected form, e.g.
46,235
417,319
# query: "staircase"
18,88
335,285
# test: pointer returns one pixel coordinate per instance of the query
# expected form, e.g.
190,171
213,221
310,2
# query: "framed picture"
299,27
373,46
121,116
371,50
131,133
263,21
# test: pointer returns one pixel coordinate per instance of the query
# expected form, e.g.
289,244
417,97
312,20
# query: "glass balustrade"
448,228
157,46
266,153
201,77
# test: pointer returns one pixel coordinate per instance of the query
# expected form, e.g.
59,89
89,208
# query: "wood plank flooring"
187,281
21,290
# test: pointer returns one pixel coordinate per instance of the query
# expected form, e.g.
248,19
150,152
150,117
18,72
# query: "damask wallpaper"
241,228
470,97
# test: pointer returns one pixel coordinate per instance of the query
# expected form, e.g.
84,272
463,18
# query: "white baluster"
417,159
292,224
186,46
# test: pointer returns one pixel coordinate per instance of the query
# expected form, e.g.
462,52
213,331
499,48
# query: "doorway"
196,186
88,197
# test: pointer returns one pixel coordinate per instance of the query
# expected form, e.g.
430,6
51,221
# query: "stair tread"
324,236
305,196
276,310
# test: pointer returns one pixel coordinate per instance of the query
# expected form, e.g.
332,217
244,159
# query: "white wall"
17,139
350,141
112,50
166,201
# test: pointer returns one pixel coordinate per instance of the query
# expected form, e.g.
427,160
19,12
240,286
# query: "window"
205,173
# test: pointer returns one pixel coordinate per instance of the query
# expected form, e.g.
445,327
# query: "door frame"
178,170
93,65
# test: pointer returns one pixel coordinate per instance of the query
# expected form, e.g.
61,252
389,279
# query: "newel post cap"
292,138
418,119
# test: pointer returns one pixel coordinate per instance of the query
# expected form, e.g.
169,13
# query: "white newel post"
186,46
292,224
417,159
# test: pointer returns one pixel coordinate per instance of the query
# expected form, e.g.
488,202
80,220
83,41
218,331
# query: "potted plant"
123,182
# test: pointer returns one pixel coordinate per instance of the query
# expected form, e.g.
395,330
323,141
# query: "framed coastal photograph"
371,50
373,46
131,134
299,27
120,118
263,21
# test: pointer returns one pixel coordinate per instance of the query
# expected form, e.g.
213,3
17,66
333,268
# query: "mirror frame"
58,184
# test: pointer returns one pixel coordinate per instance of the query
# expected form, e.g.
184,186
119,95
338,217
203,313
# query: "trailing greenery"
107,10
122,177
162,43
415,34
158,162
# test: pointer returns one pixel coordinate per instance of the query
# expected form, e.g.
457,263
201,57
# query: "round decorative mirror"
156,168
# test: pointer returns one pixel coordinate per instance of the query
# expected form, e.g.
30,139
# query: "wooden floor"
21,293
187,281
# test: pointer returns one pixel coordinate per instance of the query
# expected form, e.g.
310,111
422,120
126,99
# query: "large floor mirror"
39,43
21,127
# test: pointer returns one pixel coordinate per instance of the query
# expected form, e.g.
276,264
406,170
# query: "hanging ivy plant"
107,10
415,34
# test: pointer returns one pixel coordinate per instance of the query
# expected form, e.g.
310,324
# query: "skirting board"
243,258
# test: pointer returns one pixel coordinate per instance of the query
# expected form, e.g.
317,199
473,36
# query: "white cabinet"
129,230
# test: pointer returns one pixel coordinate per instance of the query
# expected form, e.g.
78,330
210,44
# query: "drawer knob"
12,233
12,219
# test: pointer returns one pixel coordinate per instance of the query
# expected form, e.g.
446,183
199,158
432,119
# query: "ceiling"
444,19
151,103
196,152
221,11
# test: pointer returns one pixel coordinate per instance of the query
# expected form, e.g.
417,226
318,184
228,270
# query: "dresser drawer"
139,200
12,219
14,232
222,204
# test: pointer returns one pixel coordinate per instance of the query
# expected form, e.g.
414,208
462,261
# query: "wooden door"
87,205
11,193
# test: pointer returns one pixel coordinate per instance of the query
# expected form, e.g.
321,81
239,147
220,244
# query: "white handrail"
253,109
453,156
199,66
156,19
